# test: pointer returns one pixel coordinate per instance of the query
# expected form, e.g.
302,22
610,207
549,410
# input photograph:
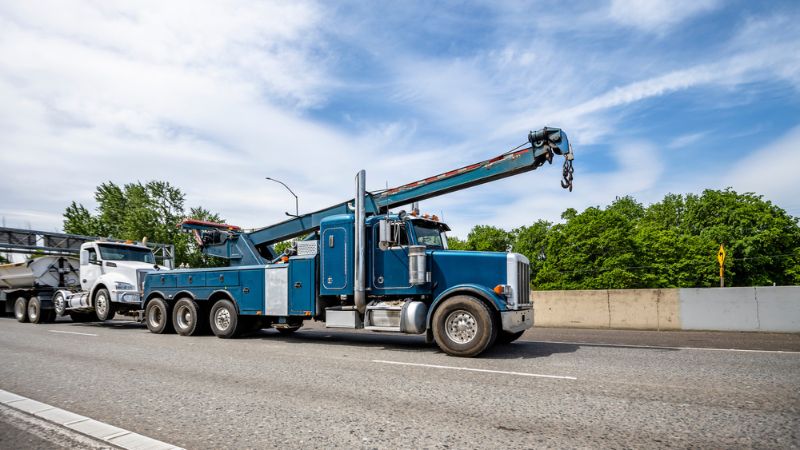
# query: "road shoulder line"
82,425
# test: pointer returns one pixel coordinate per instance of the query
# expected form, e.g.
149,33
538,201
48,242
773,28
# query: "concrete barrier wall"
775,309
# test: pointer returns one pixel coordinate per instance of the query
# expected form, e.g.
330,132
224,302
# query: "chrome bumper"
514,321
130,297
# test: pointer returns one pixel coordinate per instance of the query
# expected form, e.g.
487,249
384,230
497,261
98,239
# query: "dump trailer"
359,265
87,278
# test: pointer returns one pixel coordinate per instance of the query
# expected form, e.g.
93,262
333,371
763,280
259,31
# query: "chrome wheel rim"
19,309
59,303
101,303
184,316
461,326
32,312
155,317
223,319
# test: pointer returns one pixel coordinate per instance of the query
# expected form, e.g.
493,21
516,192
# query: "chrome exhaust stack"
359,292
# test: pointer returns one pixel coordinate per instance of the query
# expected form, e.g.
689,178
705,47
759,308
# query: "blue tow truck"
358,264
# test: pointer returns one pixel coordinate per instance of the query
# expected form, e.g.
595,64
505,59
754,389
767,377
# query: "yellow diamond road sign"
721,255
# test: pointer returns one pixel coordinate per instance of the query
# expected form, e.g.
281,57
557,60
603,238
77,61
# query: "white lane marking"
656,347
470,369
72,332
80,425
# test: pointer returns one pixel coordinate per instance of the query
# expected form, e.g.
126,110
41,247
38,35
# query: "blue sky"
657,97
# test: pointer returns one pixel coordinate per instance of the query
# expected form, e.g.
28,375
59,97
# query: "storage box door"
302,291
335,259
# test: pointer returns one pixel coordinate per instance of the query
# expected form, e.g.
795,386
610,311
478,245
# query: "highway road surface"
323,388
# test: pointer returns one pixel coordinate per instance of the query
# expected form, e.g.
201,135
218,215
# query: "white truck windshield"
126,253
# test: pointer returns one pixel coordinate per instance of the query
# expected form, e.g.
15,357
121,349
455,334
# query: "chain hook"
566,172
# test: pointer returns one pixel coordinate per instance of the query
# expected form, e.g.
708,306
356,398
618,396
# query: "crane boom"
544,144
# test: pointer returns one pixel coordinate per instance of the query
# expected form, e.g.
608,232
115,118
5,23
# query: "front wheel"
103,307
21,309
463,326
158,317
224,320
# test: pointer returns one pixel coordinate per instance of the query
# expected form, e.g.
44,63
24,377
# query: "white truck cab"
110,280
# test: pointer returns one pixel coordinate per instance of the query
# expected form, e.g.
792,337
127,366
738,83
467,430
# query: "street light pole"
296,200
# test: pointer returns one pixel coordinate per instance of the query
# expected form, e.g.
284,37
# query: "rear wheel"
185,317
463,326
35,310
103,306
158,317
224,320
21,309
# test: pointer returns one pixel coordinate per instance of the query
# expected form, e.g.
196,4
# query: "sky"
657,96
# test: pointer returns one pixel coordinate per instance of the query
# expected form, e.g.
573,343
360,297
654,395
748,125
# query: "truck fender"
153,295
480,292
222,293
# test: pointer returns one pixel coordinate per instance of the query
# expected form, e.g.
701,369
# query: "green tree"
455,243
489,238
137,210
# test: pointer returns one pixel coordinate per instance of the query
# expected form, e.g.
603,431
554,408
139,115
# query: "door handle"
298,284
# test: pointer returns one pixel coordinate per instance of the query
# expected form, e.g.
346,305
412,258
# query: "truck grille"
523,284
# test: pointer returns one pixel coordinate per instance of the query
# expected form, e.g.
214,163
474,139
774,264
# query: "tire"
21,309
224,320
186,317
504,337
59,304
158,317
464,326
35,310
103,307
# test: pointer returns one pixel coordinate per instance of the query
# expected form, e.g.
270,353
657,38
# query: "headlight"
122,286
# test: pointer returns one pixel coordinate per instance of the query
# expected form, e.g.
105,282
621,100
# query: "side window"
92,255
399,234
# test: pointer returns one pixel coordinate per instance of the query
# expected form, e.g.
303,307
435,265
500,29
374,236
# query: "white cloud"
657,15
771,170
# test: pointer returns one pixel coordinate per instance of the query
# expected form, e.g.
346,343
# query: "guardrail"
772,309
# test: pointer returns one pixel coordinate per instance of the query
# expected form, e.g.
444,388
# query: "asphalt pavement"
323,388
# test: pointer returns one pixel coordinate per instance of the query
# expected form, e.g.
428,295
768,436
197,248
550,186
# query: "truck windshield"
429,237
126,253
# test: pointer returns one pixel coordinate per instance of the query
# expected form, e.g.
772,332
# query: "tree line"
672,243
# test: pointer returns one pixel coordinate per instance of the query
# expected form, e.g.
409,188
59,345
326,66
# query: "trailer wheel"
504,337
60,304
464,326
103,307
21,309
158,317
35,310
225,321
186,317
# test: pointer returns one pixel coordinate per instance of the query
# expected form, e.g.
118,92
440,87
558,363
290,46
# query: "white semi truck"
85,277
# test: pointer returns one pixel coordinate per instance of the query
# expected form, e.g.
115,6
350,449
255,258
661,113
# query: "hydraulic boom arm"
543,145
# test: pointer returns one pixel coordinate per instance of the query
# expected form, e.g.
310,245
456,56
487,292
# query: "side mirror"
384,234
